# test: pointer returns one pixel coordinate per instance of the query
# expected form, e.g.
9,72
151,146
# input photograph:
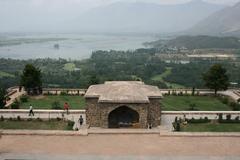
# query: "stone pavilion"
123,104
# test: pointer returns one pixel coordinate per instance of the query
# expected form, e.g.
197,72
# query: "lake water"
75,46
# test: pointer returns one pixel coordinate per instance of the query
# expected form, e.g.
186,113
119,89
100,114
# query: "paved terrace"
166,119
119,147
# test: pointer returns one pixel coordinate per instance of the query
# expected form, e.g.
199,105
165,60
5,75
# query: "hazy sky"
86,4
81,5
18,13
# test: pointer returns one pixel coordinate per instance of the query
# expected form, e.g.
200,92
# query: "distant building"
123,104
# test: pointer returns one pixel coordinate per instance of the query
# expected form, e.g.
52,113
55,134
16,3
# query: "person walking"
80,120
31,110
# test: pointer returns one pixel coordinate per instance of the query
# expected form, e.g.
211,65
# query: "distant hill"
223,22
201,42
145,17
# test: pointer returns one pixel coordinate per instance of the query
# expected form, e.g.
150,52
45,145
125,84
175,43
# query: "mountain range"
146,17
225,22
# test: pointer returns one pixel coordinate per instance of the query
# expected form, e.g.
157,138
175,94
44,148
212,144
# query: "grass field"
211,127
5,74
161,77
69,67
45,102
35,125
202,103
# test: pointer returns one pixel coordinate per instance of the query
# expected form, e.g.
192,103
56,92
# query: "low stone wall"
68,91
4,111
200,112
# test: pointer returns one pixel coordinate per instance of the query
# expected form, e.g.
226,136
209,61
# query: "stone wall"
92,112
97,113
154,112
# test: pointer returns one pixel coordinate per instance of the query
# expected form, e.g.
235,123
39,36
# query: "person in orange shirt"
66,107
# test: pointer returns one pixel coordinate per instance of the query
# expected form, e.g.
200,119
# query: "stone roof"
123,92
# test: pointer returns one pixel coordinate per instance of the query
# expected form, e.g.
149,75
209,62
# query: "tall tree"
31,79
216,78
2,97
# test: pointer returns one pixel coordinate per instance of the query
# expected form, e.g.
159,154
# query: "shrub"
24,98
15,105
63,93
237,118
192,107
234,106
181,93
70,123
58,119
56,105
10,119
230,121
18,118
220,117
1,118
228,117
201,120
193,91
29,119
39,119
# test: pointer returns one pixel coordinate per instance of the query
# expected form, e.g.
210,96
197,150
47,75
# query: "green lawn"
5,74
161,77
45,102
35,125
211,127
69,67
202,103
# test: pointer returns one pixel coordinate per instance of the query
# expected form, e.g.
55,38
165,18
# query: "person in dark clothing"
81,120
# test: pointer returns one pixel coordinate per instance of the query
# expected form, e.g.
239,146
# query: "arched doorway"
123,117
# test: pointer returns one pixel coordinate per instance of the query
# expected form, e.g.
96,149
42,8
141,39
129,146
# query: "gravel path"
120,145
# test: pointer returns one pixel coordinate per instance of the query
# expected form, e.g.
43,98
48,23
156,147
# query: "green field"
202,103
5,74
35,125
45,102
161,77
211,127
69,67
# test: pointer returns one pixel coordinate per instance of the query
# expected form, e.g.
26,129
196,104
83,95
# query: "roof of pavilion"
123,92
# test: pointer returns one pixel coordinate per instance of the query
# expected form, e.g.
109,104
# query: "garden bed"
211,127
37,124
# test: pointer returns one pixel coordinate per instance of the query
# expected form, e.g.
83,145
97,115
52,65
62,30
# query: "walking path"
16,94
